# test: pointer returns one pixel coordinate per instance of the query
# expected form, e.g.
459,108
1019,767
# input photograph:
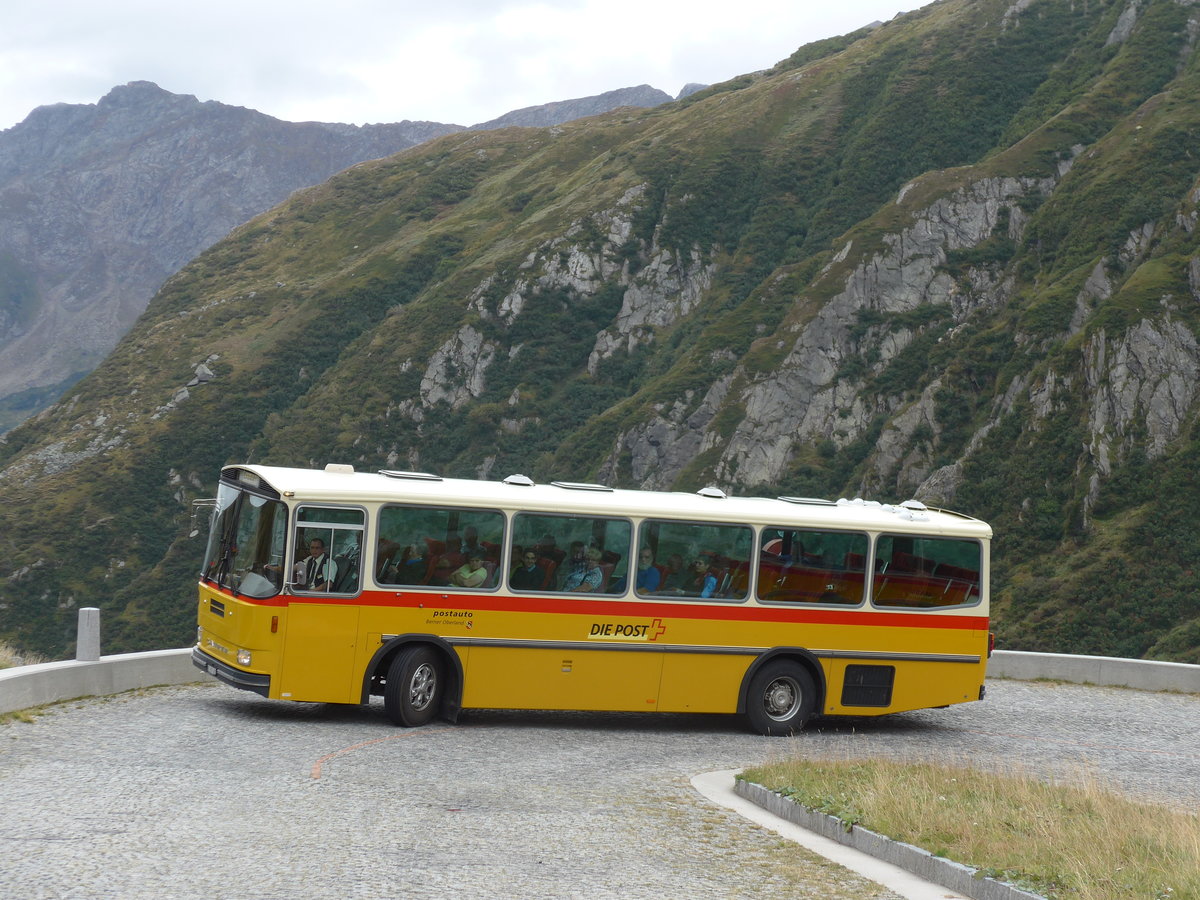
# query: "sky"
361,61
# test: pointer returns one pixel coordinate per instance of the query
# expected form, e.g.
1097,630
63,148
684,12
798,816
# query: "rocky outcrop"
456,371
805,398
1141,387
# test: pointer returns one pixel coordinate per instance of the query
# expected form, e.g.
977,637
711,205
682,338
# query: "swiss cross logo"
656,628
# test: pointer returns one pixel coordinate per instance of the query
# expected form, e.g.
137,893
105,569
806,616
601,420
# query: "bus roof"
341,484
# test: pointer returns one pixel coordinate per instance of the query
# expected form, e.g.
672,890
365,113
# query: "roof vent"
520,480
416,476
914,504
815,501
715,492
340,468
580,486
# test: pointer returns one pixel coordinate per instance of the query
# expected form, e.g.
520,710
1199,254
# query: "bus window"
694,559
577,554
328,550
810,566
926,572
439,546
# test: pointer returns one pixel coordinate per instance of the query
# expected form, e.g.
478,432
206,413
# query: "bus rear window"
926,572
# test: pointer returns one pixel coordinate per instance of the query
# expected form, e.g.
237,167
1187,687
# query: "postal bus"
443,594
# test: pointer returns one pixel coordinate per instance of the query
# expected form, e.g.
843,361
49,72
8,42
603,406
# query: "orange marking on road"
316,769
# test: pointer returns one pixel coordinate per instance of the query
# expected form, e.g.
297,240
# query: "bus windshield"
246,543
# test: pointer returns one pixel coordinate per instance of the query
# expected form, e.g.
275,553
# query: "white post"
87,640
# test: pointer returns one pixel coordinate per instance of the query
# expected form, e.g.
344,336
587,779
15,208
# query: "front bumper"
246,681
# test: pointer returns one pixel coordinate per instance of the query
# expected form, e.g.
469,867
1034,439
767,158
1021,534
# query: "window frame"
868,548
298,526
503,544
675,598
558,592
876,573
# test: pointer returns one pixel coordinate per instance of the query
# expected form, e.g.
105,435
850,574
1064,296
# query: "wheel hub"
422,687
780,698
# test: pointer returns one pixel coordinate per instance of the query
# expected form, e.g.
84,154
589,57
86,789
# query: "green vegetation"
1063,841
547,300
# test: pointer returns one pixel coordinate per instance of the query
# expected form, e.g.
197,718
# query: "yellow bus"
443,594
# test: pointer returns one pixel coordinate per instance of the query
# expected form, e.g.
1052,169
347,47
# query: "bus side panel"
319,649
702,683
916,683
520,678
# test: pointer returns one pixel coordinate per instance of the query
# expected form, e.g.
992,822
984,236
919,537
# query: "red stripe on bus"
562,605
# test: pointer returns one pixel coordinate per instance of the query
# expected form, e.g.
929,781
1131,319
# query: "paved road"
209,792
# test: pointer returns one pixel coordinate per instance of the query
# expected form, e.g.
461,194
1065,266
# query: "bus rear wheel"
415,681
781,698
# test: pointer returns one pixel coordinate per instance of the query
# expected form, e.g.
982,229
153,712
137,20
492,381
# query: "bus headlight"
243,657
199,634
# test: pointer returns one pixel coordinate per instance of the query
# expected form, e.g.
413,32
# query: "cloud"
462,61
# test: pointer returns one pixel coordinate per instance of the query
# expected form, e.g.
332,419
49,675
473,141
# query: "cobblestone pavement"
208,792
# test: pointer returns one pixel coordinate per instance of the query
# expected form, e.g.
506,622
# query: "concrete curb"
955,876
22,687
1143,674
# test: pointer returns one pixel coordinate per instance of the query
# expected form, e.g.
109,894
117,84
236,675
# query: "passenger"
470,542
674,579
410,568
547,548
702,582
648,576
385,567
528,576
576,562
473,573
589,577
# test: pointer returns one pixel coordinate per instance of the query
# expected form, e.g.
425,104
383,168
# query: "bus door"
322,623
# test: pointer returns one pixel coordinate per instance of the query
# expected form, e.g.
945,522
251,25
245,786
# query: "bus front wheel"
415,681
781,698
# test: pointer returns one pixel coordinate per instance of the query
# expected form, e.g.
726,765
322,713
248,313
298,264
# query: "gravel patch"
208,792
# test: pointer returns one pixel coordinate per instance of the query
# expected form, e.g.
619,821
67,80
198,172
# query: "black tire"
416,680
781,698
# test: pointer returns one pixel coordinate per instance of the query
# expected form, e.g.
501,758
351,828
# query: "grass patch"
10,656
1066,842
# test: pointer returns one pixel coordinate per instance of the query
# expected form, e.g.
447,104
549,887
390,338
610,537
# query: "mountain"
951,257
100,203
569,110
